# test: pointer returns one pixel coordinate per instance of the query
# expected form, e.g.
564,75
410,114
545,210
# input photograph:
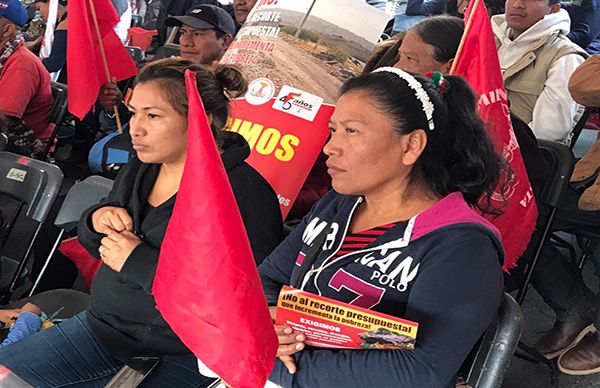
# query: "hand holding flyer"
329,323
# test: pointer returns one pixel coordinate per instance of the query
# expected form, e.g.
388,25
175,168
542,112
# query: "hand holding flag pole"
104,60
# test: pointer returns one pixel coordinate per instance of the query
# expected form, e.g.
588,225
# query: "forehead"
148,94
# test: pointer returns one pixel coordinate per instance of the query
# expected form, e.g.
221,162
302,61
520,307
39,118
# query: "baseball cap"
204,17
14,11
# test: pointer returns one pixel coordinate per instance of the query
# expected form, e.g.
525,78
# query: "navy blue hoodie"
442,269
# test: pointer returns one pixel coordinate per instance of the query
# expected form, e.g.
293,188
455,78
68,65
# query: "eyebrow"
347,121
145,108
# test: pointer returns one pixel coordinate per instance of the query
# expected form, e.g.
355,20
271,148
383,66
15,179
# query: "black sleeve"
259,210
454,298
58,57
140,266
585,22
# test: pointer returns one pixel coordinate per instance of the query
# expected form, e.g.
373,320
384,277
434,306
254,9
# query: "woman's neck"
385,207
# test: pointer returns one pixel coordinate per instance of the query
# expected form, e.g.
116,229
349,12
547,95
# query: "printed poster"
296,55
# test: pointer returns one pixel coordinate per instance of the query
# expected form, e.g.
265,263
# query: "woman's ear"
414,146
447,66
210,118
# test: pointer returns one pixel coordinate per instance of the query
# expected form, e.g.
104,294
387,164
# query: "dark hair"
552,2
385,53
215,90
459,155
443,33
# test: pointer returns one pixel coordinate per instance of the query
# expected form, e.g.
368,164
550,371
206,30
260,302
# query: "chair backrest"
31,181
59,108
80,197
497,347
136,53
560,161
3,141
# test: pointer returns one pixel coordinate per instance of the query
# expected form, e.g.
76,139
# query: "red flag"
207,286
477,62
87,68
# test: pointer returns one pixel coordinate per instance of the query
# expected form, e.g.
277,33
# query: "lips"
333,169
139,147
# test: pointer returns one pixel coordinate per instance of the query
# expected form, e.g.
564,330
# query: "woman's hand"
115,248
111,219
289,343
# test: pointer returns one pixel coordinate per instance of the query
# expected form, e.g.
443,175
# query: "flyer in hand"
329,323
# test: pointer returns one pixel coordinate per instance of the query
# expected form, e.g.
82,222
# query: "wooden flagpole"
104,60
464,36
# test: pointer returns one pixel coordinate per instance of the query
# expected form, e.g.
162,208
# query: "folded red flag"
477,61
207,286
86,69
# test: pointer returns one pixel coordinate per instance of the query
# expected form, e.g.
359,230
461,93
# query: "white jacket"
555,113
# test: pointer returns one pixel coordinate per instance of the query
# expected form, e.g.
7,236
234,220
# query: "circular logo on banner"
260,91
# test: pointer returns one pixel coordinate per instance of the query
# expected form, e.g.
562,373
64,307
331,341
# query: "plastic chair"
3,141
496,348
560,160
560,167
34,185
57,114
80,197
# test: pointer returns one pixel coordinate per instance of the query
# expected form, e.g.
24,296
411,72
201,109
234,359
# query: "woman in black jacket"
126,231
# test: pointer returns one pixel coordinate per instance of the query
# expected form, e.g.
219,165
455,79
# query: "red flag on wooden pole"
95,53
207,286
477,61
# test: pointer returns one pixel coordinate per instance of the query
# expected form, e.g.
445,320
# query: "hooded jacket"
441,268
122,312
554,113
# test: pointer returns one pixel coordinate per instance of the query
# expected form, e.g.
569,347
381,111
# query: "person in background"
537,59
57,61
241,9
430,45
206,33
585,24
26,97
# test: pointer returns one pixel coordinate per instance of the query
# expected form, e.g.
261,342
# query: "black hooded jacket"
122,312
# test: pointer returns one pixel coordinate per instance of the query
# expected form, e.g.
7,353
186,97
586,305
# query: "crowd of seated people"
406,163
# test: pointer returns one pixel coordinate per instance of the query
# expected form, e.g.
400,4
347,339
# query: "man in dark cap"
206,33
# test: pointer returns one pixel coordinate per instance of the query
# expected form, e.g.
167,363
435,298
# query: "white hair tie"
420,92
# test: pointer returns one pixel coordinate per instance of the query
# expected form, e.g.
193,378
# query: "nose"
331,148
136,127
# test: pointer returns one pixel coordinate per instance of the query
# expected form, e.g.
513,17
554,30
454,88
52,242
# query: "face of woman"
416,56
158,131
366,155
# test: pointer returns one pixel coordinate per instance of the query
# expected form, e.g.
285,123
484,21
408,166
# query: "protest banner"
296,55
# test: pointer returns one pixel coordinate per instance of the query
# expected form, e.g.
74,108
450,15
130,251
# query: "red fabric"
86,68
478,63
206,285
25,91
85,263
